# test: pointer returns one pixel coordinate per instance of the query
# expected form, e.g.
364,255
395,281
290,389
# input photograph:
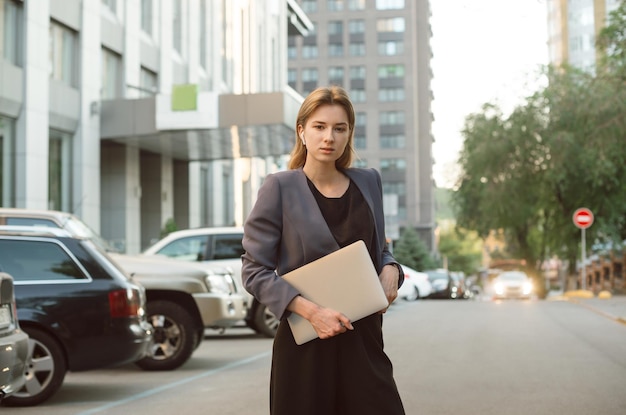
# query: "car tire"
265,322
414,296
45,370
174,339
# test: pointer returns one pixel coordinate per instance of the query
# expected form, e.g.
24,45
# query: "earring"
302,138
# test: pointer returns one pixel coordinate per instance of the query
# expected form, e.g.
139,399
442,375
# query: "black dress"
348,374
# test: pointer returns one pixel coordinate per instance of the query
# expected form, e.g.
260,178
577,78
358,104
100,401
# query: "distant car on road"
13,341
443,284
79,309
416,285
512,284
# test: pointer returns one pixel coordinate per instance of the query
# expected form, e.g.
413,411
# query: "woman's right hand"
326,322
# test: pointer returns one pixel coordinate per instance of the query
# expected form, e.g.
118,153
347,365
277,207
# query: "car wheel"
265,322
414,296
174,338
45,370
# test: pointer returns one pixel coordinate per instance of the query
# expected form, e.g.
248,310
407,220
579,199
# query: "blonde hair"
332,95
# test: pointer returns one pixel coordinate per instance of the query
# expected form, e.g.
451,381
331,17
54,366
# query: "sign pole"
584,260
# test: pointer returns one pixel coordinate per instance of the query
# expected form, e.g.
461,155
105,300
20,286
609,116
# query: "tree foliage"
564,148
461,249
411,251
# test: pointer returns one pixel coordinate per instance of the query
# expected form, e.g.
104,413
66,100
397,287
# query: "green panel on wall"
185,97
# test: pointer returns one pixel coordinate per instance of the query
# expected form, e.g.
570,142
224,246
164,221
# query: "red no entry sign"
583,218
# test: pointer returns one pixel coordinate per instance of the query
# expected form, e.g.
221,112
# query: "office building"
573,26
379,50
133,113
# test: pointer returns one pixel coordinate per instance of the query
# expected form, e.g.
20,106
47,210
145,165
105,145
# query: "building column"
31,182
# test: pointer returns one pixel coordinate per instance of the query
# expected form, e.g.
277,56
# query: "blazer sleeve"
261,242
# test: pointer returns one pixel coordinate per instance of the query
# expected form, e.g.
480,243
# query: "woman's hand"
389,280
326,322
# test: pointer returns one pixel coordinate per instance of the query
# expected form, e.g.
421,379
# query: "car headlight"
527,288
219,283
499,288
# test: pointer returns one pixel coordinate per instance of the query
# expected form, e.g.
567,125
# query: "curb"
621,320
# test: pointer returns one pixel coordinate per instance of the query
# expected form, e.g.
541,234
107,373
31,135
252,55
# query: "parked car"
416,285
443,284
462,290
13,341
512,284
182,299
79,309
217,246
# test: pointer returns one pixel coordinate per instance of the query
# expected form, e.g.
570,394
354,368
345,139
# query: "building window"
360,142
394,24
12,41
148,83
391,118
335,75
360,163
360,119
309,75
392,141
394,188
357,95
146,16
390,48
356,26
392,165
177,26
391,94
357,72
292,77
59,171
334,5
309,52
309,6
389,4
7,162
356,4
335,27
111,79
335,49
62,54
292,52
390,71
357,49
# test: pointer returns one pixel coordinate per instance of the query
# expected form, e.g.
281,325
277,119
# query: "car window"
31,222
37,261
190,248
227,246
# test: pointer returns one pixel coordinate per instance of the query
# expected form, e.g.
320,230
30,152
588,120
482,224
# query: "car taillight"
124,303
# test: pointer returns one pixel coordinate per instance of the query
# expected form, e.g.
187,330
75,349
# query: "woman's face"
326,134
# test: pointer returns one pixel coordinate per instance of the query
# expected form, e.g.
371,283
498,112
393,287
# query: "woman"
302,214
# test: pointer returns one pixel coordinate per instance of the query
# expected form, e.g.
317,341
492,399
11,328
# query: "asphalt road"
450,357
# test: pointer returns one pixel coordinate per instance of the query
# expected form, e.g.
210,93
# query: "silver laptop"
344,280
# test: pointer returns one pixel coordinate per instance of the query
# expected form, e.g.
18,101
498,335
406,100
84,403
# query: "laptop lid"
344,280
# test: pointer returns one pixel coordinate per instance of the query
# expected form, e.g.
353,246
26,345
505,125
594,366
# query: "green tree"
462,250
411,251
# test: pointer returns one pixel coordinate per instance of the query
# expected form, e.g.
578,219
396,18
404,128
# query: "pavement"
606,304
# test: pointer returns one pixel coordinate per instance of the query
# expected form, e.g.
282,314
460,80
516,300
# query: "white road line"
174,385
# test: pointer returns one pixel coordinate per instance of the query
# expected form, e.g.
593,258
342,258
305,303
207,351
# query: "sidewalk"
613,307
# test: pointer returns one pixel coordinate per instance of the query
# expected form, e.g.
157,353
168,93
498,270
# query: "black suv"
80,311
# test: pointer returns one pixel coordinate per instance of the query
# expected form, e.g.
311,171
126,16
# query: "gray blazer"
286,230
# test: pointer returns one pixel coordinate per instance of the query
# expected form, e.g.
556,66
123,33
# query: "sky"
483,51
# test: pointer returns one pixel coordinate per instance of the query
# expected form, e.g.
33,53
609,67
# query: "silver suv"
217,246
182,299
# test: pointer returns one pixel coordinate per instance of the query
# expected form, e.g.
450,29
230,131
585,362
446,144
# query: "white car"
512,284
218,246
416,285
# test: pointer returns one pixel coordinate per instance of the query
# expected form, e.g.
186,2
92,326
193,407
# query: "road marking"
621,320
175,384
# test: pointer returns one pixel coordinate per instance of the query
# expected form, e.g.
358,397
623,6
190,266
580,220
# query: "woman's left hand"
389,280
